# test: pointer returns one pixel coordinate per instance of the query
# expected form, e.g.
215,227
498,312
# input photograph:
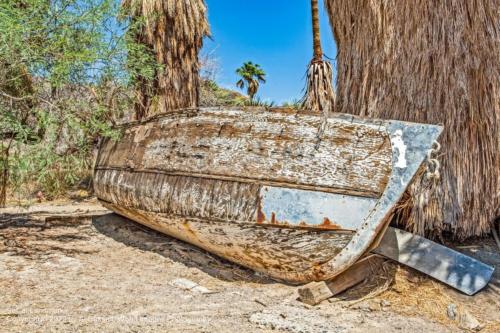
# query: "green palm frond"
250,75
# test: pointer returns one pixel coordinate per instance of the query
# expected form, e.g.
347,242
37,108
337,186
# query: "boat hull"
289,254
261,188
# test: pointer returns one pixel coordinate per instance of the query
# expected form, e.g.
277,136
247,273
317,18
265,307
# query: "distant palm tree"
173,31
319,95
251,75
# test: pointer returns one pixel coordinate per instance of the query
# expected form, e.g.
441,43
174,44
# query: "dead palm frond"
319,93
431,62
173,30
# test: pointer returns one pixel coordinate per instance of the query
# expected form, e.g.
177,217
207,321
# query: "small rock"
368,307
385,303
186,284
468,322
451,311
337,299
201,290
40,196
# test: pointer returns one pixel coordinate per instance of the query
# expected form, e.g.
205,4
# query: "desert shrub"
65,74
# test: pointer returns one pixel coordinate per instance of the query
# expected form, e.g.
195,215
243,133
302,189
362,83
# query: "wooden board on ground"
51,211
316,292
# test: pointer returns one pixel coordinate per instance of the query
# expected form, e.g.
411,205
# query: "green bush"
65,74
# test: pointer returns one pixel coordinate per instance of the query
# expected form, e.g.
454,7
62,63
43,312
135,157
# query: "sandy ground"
108,274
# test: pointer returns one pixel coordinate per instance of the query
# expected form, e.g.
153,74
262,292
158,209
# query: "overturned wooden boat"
260,187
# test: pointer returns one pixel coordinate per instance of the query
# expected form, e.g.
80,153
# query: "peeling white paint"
352,157
398,143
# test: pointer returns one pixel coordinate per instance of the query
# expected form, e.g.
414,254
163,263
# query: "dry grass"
413,294
431,62
173,31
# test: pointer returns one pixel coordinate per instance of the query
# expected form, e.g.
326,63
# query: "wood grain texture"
314,293
180,196
357,273
258,146
283,253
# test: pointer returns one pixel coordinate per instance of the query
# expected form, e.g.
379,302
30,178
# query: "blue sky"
273,33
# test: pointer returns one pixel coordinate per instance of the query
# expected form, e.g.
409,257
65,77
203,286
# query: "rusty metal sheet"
444,264
285,206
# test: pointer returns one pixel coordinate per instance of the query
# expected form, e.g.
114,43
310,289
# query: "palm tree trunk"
173,31
319,95
318,52
433,62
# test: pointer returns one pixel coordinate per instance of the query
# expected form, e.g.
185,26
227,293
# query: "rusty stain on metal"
296,206
327,224
261,218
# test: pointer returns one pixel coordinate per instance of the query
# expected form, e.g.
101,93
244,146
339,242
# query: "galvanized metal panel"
284,206
444,264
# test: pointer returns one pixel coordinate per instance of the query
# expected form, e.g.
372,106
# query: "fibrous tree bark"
432,62
173,30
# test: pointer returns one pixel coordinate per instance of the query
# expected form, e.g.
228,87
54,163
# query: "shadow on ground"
36,239
136,235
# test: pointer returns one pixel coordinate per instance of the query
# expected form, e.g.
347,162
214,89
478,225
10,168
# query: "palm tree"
173,31
432,62
251,75
319,95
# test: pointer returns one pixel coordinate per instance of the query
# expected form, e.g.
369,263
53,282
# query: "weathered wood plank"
179,195
269,147
283,253
314,293
230,201
357,273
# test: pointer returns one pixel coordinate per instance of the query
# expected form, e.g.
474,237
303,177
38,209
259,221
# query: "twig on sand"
495,233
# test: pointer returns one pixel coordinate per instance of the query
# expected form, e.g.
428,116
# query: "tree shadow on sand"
36,239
